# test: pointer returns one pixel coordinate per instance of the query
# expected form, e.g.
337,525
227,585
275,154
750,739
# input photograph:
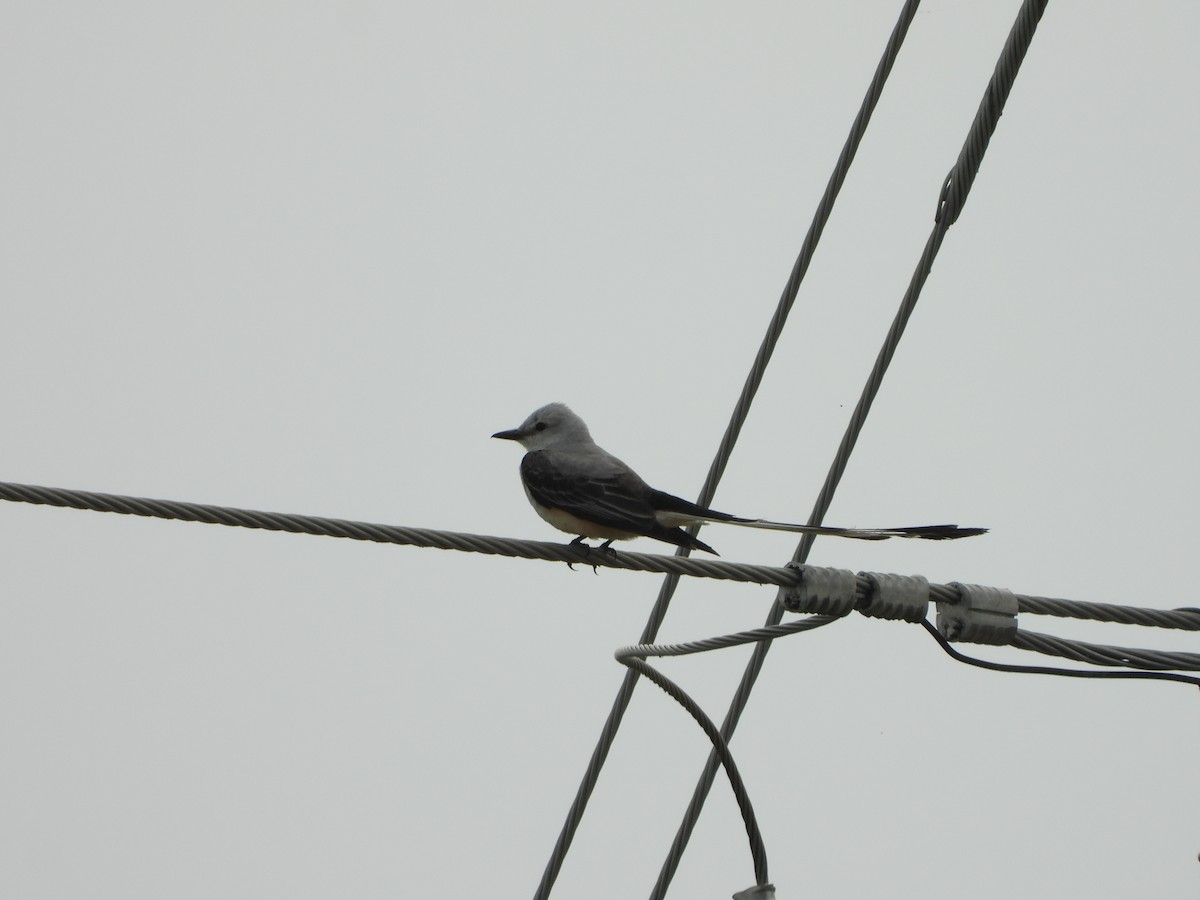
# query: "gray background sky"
308,257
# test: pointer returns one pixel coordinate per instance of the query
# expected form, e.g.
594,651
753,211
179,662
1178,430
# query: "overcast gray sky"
308,257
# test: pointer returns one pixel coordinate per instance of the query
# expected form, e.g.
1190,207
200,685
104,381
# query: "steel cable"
1047,670
733,430
780,576
953,197
1188,620
1103,655
394,534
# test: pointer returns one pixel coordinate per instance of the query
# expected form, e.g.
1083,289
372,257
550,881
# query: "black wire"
758,850
1048,670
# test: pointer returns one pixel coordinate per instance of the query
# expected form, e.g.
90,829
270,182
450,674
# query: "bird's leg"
607,547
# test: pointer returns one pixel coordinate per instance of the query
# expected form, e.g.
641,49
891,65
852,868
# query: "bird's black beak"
513,434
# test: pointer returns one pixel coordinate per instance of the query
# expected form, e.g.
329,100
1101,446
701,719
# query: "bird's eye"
540,426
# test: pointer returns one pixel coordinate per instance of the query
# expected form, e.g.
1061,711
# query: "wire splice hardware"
983,615
898,597
828,592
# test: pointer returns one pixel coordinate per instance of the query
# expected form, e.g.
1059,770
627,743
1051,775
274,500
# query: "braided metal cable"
395,534
729,439
1048,670
1188,620
943,593
962,176
816,228
746,573
953,196
1103,655
726,640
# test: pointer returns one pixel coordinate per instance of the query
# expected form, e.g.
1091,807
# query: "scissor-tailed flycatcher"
583,490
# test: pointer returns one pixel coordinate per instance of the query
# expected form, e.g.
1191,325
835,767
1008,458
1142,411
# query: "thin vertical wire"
732,431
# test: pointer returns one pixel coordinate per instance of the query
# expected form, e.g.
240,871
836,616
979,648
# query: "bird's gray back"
588,482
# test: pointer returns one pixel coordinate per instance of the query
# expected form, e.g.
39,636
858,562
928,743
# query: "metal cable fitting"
983,615
898,597
825,591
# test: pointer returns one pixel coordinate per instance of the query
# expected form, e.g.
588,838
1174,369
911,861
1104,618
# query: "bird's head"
553,424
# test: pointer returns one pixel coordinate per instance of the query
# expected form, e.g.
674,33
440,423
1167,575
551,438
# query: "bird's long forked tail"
674,511
919,532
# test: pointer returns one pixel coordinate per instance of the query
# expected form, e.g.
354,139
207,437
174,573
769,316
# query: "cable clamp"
983,615
904,597
828,592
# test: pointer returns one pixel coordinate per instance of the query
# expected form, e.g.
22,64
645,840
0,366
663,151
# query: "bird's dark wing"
599,489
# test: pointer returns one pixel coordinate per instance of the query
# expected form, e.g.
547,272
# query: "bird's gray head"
553,424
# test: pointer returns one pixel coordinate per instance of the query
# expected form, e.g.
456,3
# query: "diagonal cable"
953,196
737,420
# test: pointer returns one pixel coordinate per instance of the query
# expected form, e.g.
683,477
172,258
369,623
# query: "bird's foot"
587,548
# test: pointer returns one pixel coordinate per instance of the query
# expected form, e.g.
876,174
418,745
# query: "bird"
582,489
